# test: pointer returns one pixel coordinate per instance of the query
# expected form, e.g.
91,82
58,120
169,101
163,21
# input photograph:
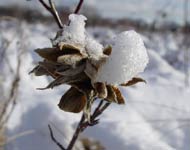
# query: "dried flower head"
92,71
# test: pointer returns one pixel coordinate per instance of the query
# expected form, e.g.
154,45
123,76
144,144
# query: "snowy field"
147,10
155,117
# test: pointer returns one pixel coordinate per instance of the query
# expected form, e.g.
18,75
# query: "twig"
12,97
98,111
76,134
17,136
78,6
54,140
82,125
53,11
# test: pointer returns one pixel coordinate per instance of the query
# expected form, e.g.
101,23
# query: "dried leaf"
72,101
39,71
52,54
120,98
65,46
101,90
66,80
107,50
133,81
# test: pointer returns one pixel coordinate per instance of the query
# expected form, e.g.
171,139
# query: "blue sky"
143,9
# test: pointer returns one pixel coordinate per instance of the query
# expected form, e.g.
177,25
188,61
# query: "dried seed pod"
72,101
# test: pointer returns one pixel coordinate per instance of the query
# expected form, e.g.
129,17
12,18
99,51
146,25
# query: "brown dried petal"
120,98
133,81
65,46
39,71
52,54
72,101
66,80
72,71
83,84
101,90
114,95
72,60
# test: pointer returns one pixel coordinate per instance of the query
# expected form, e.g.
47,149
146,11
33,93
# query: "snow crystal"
128,58
74,33
93,48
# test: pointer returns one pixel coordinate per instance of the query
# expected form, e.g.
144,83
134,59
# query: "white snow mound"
74,33
128,58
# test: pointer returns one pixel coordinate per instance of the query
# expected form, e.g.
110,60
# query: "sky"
147,10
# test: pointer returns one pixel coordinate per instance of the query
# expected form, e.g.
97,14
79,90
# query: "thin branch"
54,140
53,11
78,6
76,134
98,111
96,114
12,97
82,125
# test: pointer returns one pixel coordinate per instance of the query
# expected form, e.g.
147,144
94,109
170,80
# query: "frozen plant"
93,72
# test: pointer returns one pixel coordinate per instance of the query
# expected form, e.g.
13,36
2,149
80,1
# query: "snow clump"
74,33
128,58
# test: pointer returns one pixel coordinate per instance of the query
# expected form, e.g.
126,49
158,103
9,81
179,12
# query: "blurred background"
156,115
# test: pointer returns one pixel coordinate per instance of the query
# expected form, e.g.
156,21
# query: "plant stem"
76,134
78,6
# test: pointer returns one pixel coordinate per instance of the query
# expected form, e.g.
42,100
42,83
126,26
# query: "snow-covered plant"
92,70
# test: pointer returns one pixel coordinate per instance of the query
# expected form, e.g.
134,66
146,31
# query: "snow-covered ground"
155,117
147,10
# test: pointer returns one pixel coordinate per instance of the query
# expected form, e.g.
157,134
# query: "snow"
127,60
155,117
74,33
93,48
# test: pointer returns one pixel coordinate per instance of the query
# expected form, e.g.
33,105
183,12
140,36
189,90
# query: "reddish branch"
78,6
